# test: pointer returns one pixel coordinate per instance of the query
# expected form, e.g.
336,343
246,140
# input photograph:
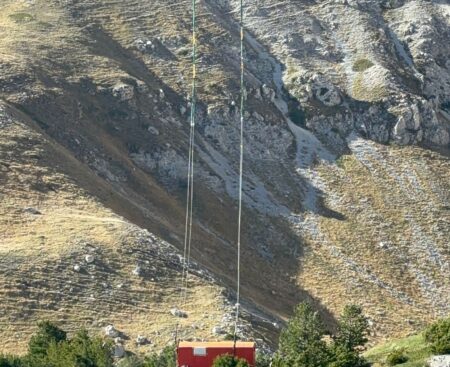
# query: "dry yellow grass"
38,253
394,208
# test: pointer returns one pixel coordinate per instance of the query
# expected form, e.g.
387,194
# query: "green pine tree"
301,342
352,328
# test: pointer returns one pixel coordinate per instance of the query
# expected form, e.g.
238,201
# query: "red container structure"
198,354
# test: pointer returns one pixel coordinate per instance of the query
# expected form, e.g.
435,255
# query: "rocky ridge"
331,202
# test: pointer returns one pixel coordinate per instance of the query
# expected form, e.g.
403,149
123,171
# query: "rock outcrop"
345,147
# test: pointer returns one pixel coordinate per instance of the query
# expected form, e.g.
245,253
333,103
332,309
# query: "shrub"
395,357
344,357
130,361
10,361
297,115
21,17
362,65
438,336
263,360
47,334
445,105
229,361
80,351
165,359
230,337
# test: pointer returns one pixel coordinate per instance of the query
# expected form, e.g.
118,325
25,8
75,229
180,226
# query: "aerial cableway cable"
190,175
241,170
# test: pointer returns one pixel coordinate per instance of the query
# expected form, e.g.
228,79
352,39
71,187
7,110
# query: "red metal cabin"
199,354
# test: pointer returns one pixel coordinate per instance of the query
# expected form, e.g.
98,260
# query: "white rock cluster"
439,361
111,331
178,313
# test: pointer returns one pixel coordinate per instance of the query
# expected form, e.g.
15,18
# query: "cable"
241,164
190,175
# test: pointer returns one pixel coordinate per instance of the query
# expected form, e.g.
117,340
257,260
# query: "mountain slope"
102,87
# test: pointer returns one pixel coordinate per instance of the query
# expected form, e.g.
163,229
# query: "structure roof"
224,344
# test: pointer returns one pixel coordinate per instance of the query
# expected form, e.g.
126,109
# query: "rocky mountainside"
347,171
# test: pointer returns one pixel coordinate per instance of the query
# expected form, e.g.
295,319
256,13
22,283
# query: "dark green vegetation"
396,357
50,347
416,349
229,361
362,65
302,343
21,17
438,336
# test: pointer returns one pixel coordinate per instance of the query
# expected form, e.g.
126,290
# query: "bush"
47,334
362,65
229,361
165,359
21,17
263,360
80,351
343,357
438,336
10,361
130,361
395,357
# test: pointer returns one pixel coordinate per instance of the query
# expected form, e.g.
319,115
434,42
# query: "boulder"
33,211
268,92
178,313
152,130
111,331
439,361
325,91
142,87
141,340
123,92
439,136
89,259
119,351
137,271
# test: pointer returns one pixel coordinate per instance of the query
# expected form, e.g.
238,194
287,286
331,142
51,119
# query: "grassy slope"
414,346
374,195
398,200
72,224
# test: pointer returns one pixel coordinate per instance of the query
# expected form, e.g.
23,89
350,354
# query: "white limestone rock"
111,331
124,92
439,361
137,271
217,330
325,91
141,340
178,313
